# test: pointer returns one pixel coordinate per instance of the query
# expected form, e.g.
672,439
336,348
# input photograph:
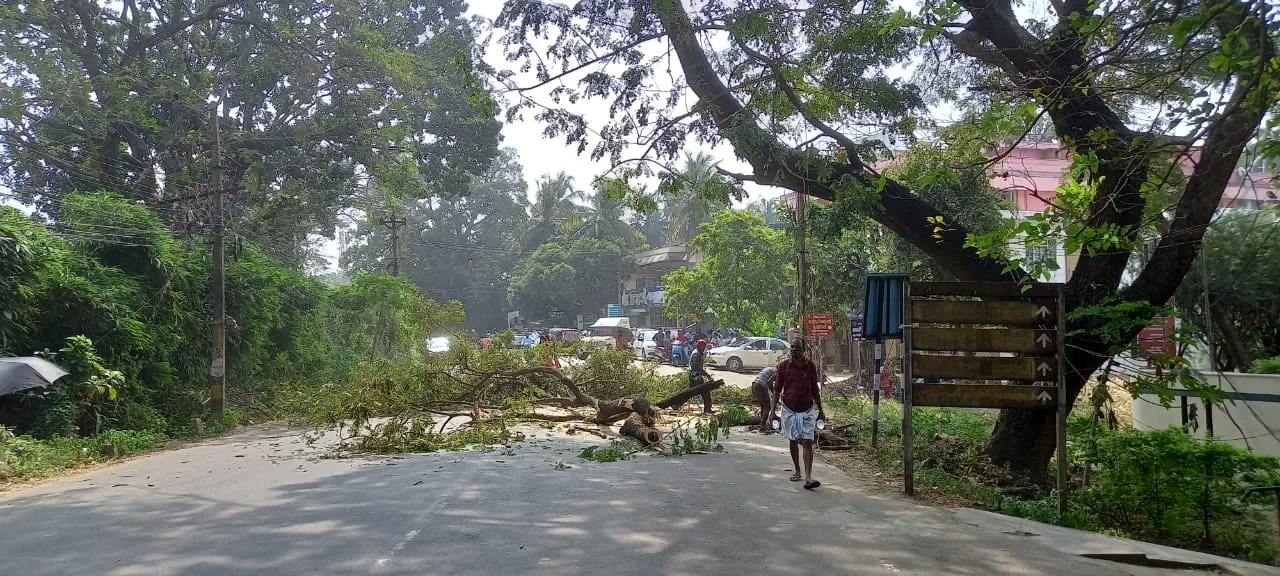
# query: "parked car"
644,345
749,353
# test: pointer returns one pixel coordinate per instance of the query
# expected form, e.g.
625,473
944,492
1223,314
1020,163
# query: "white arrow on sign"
1043,397
1042,312
1043,340
1044,368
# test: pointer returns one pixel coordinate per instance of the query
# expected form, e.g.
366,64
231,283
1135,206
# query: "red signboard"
1158,337
819,324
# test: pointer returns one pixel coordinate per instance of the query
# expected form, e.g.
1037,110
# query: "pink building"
1030,174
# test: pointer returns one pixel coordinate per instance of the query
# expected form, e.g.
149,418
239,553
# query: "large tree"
568,276
461,248
803,93
742,276
118,96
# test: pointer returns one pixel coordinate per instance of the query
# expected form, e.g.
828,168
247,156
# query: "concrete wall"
1248,424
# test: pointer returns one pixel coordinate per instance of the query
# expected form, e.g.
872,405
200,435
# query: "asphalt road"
261,502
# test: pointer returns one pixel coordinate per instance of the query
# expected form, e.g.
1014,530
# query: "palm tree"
553,204
700,191
767,208
603,219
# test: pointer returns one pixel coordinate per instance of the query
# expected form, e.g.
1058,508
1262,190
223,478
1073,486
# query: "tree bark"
636,427
677,400
1236,349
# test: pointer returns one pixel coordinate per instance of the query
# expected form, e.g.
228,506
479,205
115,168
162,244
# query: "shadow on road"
237,506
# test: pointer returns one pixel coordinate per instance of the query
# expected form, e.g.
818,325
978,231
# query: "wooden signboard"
1001,341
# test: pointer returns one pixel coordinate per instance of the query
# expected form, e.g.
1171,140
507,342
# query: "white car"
644,345
750,353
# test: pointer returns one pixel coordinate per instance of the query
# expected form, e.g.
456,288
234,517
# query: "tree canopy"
746,266
804,94
119,96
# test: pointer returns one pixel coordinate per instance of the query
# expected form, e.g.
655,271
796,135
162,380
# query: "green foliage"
28,457
734,415
611,374
1266,366
1159,486
604,454
705,437
124,311
1168,486
745,266
131,113
390,316
566,277
1242,262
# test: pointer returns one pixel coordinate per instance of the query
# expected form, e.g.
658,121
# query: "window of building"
1048,252
657,285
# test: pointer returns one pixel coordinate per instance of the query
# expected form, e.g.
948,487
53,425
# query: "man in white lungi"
796,385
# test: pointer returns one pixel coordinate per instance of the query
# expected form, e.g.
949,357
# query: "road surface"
261,502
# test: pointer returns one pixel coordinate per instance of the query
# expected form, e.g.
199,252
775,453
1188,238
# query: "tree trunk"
1235,346
1024,440
636,427
677,400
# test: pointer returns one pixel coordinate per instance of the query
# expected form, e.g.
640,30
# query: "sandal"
796,477
810,485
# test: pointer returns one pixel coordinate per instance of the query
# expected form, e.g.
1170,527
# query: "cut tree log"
678,399
635,427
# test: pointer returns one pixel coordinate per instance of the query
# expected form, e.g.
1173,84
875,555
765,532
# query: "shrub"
1266,366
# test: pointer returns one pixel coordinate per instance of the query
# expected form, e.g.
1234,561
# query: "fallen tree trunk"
636,427
677,400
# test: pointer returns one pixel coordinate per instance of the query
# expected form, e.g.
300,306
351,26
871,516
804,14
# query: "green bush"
1162,486
28,457
1266,366
1165,485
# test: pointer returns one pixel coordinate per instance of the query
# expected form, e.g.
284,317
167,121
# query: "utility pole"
802,265
218,366
394,223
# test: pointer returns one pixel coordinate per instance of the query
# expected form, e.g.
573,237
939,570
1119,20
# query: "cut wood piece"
677,400
634,427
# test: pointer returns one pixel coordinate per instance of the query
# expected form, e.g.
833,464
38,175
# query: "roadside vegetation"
1160,486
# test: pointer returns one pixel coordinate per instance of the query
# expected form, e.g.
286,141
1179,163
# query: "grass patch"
1156,486
24,457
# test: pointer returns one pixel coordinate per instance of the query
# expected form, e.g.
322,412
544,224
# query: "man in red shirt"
796,384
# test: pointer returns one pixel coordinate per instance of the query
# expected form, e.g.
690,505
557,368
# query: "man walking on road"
795,389
760,388
698,375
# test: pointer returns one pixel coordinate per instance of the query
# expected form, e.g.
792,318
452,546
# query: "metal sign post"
1006,340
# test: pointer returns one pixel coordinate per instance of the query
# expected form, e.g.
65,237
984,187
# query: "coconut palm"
699,192
768,209
603,218
552,205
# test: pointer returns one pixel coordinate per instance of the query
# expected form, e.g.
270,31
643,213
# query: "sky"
541,156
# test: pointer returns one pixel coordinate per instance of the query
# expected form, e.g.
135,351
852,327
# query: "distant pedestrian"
698,375
760,388
796,390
